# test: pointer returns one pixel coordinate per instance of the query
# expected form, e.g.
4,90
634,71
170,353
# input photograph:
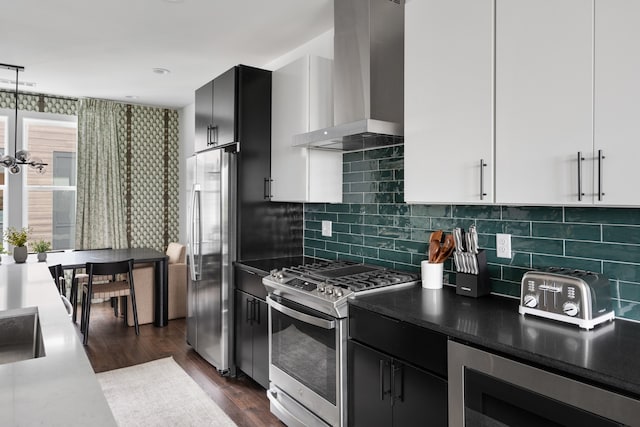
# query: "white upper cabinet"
302,101
449,101
544,101
617,102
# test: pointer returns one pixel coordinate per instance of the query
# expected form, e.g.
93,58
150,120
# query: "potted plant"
18,239
41,247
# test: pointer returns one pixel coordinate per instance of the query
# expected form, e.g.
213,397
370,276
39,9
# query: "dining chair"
77,278
58,277
57,273
116,280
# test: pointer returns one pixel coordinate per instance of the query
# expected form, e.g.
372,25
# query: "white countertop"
61,387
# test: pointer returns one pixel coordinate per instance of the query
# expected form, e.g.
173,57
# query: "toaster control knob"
570,308
530,301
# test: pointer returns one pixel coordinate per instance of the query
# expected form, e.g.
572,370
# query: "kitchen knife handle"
482,166
580,160
600,192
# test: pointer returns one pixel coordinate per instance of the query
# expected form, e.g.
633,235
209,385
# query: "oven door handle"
303,317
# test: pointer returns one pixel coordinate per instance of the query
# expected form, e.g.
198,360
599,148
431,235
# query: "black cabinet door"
261,343
420,397
244,333
224,108
204,116
369,387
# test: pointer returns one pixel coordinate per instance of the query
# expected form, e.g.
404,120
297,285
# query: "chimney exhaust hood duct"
368,81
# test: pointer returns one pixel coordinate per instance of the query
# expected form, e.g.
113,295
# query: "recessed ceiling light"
173,1
131,96
161,71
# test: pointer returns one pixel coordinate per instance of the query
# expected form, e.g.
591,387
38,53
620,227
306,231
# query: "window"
51,197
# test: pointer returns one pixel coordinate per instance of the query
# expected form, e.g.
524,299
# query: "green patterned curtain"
100,209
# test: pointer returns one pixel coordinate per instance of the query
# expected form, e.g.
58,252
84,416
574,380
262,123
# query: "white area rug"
159,393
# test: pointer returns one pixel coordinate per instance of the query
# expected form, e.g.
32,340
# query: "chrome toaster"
578,297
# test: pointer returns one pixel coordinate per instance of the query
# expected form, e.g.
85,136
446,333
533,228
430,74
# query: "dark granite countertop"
609,354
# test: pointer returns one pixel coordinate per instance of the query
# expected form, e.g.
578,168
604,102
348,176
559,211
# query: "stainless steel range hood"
368,88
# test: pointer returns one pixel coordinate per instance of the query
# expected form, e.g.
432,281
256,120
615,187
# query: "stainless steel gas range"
308,329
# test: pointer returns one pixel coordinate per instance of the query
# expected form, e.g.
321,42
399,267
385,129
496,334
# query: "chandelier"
22,157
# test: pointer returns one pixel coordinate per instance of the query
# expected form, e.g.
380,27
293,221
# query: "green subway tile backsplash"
374,225
621,234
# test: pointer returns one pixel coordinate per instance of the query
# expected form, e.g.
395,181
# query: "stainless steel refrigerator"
210,247
230,215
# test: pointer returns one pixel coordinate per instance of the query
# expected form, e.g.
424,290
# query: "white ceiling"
107,49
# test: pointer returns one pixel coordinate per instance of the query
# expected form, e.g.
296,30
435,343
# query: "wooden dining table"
160,261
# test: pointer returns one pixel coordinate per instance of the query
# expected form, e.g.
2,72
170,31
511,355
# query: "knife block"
475,285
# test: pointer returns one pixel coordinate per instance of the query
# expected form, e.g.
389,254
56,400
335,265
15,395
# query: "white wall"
319,46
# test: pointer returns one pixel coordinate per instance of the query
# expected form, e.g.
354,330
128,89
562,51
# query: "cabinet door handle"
382,368
397,386
249,310
482,166
212,135
267,189
600,159
256,311
210,140
580,160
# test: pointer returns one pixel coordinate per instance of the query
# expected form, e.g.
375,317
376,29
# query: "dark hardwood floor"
113,345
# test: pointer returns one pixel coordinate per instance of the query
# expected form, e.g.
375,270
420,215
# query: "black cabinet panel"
369,387
384,391
251,327
244,333
422,398
224,108
204,115
251,283
419,346
397,372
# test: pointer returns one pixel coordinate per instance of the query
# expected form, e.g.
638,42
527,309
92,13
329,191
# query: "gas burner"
350,275
327,286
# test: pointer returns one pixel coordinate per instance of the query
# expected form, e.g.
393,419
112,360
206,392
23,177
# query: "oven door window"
490,401
304,351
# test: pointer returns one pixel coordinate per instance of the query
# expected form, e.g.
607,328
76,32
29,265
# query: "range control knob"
321,288
570,308
530,301
338,292
329,290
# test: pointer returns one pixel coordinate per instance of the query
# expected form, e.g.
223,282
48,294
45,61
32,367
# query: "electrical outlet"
503,245
326,228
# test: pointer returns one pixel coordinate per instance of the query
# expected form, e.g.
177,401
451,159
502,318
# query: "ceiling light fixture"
161,71
22,157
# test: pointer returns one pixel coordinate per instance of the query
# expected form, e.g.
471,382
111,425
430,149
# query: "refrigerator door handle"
195,234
